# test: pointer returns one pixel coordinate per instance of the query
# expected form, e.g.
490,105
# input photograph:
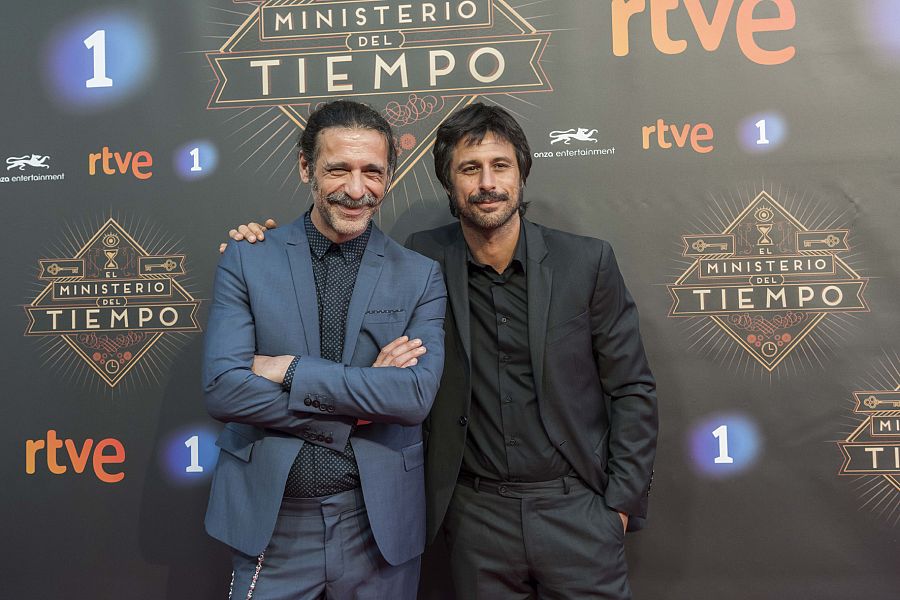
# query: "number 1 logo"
97,42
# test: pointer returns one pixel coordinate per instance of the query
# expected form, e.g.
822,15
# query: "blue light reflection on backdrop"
176,454
130,53
762,132
882,19
196,159
743,447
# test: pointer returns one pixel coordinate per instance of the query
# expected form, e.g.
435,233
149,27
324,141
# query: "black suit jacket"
596,394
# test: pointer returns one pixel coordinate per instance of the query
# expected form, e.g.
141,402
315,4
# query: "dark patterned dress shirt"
319,471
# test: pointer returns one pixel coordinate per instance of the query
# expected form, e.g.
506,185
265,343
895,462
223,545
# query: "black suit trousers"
515,542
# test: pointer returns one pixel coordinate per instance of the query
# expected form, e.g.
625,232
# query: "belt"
521,489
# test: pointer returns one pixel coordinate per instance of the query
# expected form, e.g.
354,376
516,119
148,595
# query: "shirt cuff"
289,374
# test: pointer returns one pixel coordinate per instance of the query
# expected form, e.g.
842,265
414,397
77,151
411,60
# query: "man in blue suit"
316,360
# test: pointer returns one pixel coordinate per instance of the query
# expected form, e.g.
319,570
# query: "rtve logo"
670,134
772,16
77,456
111,163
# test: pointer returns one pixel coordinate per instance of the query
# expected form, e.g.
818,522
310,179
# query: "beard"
468,210
331,215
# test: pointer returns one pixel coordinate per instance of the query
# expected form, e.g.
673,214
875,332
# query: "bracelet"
289,374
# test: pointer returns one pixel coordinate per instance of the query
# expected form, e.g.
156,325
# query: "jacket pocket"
413,456
235,444
559,331
602,448
384,316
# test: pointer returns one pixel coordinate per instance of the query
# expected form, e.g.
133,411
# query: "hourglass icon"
764,229
764,214
111,240
111,259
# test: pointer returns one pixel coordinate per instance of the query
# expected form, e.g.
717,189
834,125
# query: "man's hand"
624,518
250,232
272,368
402,352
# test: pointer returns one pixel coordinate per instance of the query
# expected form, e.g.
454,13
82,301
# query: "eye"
469,169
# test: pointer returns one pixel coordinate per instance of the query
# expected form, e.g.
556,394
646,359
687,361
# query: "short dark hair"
471,124
344,114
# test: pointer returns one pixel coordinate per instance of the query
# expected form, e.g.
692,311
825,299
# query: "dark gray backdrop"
786,527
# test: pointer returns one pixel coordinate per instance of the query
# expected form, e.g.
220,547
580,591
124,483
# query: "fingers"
394,345
408,358
271,224
222,248
402,352
384,355
235,235
248,235
256,230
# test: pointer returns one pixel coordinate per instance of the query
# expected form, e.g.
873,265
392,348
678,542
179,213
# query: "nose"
488,181
355,186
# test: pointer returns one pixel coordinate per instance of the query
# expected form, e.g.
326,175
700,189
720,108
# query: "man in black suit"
541,440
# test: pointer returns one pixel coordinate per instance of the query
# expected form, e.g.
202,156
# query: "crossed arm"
241,387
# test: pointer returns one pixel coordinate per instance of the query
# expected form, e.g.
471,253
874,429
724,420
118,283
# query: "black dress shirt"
319,471
506,438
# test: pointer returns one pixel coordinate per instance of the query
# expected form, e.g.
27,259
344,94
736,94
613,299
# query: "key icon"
55,269
873,402
168,266
830,240
702,245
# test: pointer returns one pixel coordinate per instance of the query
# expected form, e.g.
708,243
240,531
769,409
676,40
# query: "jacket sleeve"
233,393
381,394
626,378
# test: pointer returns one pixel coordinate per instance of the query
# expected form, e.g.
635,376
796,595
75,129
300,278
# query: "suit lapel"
540,281
369,272
304,286
458,289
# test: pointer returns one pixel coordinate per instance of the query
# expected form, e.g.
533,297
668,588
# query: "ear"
303,165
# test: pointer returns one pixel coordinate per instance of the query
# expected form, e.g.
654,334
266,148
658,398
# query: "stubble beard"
488,221
326,205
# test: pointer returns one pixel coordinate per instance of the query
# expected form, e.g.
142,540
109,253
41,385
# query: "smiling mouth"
353,212
488,199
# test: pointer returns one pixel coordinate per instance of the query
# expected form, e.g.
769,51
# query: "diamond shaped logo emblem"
766,280
112,301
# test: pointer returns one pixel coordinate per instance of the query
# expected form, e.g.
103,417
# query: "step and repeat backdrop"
742,156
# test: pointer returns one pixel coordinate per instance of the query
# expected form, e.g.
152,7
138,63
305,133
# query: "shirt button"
463,420
503,319
507,399
512,442
502,489
505,358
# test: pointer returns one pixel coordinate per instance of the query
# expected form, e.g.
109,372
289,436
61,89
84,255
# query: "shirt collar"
519,255
319,244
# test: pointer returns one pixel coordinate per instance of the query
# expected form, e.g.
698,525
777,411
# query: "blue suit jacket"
265,303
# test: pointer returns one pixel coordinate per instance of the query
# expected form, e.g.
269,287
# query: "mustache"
342,198
482,197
